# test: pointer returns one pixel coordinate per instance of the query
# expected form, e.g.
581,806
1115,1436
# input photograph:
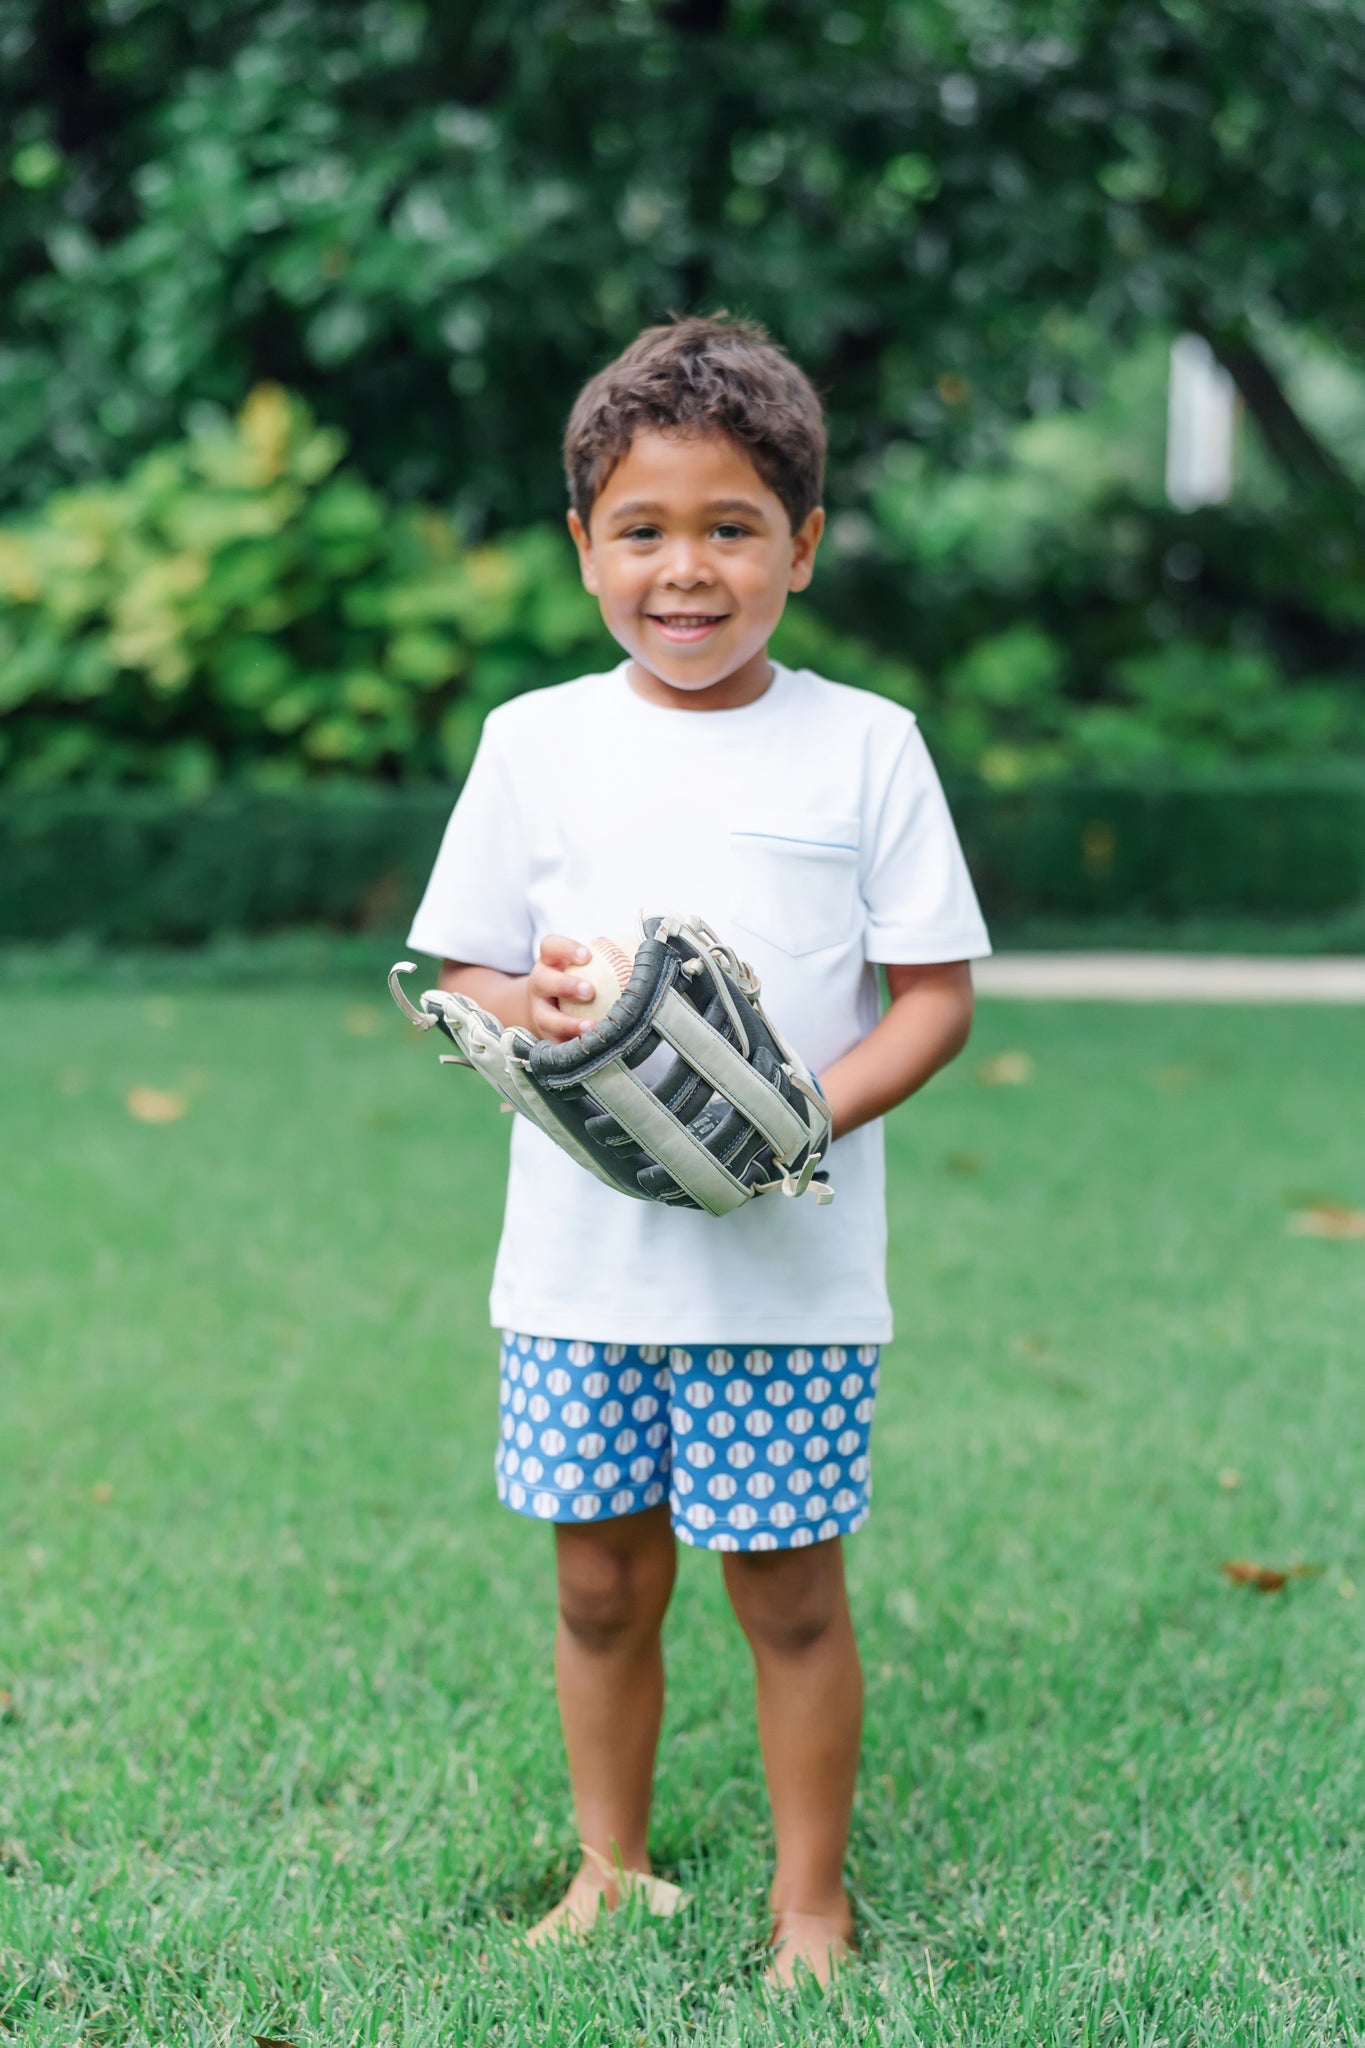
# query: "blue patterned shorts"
753,1448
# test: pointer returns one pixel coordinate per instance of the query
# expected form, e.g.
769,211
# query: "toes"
570,1920
806,1945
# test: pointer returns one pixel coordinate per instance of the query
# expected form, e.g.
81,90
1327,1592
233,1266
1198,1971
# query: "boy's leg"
793,1607
615,1579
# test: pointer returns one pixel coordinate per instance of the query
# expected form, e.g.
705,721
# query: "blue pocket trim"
785,839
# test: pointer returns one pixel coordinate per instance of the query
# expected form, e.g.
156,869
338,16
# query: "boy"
668,1375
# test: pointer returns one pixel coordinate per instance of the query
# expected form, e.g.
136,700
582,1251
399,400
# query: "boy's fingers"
553,987
549,1022
556,976
556,951
552,984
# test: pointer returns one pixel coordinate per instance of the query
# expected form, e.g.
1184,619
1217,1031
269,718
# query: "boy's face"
691,556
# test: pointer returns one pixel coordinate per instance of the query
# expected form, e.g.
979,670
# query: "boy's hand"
554,976
924,1026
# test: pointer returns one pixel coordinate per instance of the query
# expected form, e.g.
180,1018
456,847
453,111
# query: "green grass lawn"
278,1750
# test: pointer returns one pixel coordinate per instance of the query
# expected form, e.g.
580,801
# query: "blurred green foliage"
244,607
1072,531
1183,709
977,222
241,606
435,221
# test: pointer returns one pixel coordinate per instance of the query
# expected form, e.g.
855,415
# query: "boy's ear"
582,540
805,541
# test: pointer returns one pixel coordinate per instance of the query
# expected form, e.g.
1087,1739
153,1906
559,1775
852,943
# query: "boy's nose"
686,569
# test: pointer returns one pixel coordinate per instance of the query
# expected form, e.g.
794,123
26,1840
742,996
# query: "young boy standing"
668,1375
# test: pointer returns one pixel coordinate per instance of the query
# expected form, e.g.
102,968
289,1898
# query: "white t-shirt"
810,830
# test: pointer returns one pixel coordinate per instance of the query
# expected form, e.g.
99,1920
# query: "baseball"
608,969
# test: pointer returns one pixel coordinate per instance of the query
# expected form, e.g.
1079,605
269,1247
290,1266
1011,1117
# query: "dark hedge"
140,867
143,868
1274,849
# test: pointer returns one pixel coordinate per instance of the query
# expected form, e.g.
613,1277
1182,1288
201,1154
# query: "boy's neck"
745,686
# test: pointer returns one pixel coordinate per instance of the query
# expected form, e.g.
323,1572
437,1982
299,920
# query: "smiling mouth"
686,629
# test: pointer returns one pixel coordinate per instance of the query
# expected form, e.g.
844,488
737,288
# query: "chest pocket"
797,888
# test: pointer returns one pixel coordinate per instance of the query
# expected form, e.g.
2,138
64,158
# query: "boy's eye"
725,529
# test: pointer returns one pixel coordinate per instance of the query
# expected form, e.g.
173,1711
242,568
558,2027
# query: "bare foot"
814,1942
599,1886
590,1893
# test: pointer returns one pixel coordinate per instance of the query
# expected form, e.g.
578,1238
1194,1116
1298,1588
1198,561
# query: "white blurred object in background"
1200,414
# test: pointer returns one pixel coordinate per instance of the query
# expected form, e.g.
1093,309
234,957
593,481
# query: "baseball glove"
684,1093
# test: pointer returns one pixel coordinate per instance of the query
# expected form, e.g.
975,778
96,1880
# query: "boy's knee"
786,1601
608,1593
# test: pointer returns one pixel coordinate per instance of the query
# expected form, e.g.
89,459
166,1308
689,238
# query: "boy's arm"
530,1000
924,1026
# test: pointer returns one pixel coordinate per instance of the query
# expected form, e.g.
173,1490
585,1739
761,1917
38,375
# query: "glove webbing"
695,1149
733,1106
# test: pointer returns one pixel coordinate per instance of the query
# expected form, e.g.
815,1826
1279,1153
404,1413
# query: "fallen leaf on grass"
965,1163
1229,1479
156,1105
385,1119
269,2041
1328,1219
101,1490
1006,1070
361,1020
1266,1578
1030,1345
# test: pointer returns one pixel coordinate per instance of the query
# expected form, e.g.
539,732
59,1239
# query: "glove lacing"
714,955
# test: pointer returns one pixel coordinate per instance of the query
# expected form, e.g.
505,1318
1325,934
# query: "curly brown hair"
702,376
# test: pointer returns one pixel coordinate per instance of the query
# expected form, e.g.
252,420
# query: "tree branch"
1287,435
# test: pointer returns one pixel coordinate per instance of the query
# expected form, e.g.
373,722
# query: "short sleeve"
475,907
916,890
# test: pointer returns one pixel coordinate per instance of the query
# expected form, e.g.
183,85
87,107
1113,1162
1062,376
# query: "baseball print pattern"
754,1448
